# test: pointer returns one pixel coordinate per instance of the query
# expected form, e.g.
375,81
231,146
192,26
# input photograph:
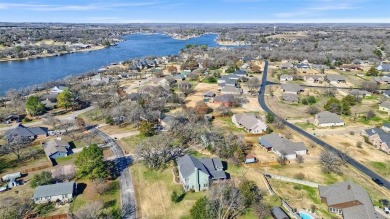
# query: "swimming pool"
305,215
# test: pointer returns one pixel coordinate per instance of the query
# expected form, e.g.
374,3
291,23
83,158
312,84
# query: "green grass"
330,178
375,119
229,125
305,125
274,200
67,160
381,167
312,194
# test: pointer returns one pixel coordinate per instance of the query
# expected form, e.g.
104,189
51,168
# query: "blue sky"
196,11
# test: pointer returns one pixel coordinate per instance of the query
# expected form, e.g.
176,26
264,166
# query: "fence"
36,168
59,216
263,164
287,179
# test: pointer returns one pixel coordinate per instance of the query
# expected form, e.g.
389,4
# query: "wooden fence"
59,216
263,164
45,166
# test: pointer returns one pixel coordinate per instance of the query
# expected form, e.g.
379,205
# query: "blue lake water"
19,74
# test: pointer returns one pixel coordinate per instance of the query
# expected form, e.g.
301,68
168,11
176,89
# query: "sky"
196,11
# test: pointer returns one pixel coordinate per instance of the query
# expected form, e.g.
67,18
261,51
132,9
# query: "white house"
385,106
327,119
58,89
55,192
249,122
286,77
282,146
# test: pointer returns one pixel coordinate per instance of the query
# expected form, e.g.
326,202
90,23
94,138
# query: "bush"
110,121
211,79
44,209
299,176
304,101
352,133
269,118
359,144
311,100
25,120
297,187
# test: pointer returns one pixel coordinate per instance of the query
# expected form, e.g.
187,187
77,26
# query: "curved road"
126,184
323,144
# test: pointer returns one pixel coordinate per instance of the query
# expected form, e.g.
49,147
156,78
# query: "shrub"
299,176
359,144
297,187
352,133
25,120
304,101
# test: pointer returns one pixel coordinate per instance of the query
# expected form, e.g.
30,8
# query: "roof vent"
349,187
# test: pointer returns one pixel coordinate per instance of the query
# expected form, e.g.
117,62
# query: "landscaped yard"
129,144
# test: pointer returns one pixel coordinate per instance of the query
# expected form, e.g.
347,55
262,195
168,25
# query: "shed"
278,213
250,158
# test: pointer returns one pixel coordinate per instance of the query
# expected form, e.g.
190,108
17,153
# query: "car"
386,210
377,181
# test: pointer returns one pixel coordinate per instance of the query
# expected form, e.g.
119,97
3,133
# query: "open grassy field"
129,144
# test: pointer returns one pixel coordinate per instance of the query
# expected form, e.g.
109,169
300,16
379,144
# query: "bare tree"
16,146
279,124
300,159
13,207
253,83
312,110
90,211
52,121
369,86
330,162
64,173
100,186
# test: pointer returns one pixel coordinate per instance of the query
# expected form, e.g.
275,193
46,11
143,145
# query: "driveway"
126,184
316,140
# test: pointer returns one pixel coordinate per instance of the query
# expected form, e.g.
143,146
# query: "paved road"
70,116
325,145
126,184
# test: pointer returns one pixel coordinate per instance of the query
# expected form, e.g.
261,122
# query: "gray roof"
315,77
210,166
335,77
240,72
53,146
249,120
385,104
373,131
278,213
224,98
281,144
386,125
302,65
357,92
285,76
286,65
187,165
348,191
25,132
231,89
328,117
292,88
54,189
385,66
290,97
209,94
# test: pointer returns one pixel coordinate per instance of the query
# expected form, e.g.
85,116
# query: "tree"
330,162
255,68
253,83
370,114
311,100
44,178
146,128
65,99
351,100
80,123
64,173
172,69
370,86
13,207
279,124
90,211
312,110
269,118
16,146
51,121
373,72
250,192
201,108
201,209
100,185
225,111
34,107
90,163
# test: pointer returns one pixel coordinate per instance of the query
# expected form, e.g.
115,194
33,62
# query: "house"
286,77
179,77
249,158
328,119
313,78
26,132
349,200
286,65
240,73
384,66
292,98
209,94
378,138
184,86
226,100
249,122
101,78
167,121
350,67
360,93
386,127
164,82
231,90
302,66
14,117
227,80
55,192
386,93
278,213
58,89
292,88
382,80
197,174
320,67
56,148
282,146
335,78
385,106
147,90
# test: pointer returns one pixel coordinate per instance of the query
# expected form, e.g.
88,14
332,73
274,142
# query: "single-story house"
386,93
282,146
231,90
286,65
349,200
179,77
302,66
384,66
292,88
278,213
164,82
197,174
167,121
292,98
184,85
55,192
58,89
320,67
349,67
101,78
286,77
56,148
209,94
327,119
360,93
249,122
146,90
385,106
382,80
225,99
379,138
26,132
313,78
240,73
249,158
335,78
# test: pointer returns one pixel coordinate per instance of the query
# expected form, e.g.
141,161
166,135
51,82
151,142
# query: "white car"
386,210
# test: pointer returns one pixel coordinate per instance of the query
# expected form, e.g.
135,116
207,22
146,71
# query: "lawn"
129,144
305,125
227,124
381,167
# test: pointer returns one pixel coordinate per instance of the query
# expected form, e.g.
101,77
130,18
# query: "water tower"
274,29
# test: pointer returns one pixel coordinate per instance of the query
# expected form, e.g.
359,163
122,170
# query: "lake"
19,74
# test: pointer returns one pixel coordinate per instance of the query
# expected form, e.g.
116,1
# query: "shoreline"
231,43
41,56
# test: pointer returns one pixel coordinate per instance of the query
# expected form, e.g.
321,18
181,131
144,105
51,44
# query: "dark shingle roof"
25,132
54,189
278,213
224,98
187,165
281,144
53,146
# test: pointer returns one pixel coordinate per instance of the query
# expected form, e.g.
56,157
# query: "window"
331,209
205,185
340,211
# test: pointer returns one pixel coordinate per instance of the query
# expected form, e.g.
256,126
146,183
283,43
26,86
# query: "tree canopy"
34,107
90,163
64,99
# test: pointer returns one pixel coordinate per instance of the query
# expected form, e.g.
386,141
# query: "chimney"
349,186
